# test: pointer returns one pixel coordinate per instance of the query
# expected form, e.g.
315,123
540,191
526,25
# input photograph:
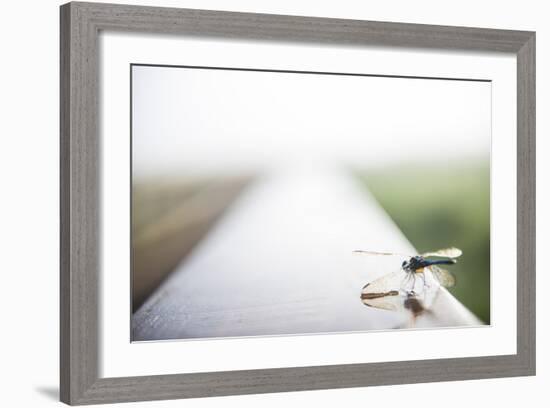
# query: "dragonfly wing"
443,276
359,251
446,253
385,292
390,302
400,292
387,283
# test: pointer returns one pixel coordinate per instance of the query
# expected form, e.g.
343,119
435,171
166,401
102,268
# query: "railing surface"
280,262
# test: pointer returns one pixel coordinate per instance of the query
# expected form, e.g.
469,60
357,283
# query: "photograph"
280,202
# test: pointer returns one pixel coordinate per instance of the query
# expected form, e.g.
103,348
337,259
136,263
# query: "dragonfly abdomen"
428,262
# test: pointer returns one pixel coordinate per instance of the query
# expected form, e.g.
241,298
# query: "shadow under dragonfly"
411,303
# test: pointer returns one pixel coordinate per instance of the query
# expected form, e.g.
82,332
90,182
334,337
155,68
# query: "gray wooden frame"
80,156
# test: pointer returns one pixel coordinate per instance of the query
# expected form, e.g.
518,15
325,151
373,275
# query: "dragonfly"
387,292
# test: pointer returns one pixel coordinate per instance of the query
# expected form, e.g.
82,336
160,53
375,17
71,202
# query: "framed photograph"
257,203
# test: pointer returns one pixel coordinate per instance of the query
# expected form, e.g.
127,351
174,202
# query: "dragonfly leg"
410,278
405,281
424,284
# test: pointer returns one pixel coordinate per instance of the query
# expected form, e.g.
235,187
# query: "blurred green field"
443,206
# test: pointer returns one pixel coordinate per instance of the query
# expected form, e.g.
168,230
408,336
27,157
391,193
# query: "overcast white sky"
201,121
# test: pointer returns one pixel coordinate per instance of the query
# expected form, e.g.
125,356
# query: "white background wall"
29,201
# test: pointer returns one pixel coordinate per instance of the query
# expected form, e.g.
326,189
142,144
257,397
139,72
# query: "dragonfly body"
416,264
